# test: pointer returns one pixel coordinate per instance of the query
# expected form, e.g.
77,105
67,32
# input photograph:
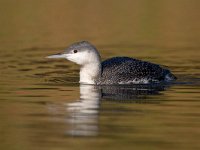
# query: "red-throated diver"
117,70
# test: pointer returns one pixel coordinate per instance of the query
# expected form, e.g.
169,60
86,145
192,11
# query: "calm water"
42,106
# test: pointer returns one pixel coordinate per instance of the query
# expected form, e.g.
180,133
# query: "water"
42,106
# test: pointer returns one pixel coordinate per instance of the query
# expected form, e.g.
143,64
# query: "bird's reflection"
84,113
130,92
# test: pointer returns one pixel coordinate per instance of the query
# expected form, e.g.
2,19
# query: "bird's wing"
126,69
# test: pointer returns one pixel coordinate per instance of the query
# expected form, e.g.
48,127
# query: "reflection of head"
83,114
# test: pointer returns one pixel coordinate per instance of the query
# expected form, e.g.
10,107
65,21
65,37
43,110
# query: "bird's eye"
75,51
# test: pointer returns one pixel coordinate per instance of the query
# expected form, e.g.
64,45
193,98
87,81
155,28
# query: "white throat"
89,73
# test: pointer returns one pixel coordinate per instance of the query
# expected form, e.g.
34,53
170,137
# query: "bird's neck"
90,73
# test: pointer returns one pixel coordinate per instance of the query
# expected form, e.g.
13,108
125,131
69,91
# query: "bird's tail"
170,77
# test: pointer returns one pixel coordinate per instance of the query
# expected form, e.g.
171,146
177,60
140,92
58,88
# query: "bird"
113,71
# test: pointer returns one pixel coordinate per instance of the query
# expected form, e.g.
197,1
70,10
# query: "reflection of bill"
83,113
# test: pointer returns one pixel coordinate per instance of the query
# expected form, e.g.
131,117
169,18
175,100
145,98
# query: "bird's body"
117,70
126,70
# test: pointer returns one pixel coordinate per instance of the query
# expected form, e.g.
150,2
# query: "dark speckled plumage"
126,70
117,70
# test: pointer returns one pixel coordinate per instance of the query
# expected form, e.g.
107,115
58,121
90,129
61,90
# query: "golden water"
42,105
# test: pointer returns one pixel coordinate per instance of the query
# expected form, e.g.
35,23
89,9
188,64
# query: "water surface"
42,105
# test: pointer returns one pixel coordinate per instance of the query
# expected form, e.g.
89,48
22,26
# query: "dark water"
42,106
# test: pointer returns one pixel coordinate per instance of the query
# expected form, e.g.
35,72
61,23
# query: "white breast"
89,73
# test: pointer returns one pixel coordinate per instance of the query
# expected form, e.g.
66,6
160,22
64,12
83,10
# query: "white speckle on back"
135,81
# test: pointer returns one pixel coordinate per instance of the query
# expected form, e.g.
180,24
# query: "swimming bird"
116,70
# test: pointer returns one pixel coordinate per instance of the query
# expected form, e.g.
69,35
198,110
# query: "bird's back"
125,70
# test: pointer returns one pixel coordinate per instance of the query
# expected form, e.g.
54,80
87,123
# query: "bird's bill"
60,55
